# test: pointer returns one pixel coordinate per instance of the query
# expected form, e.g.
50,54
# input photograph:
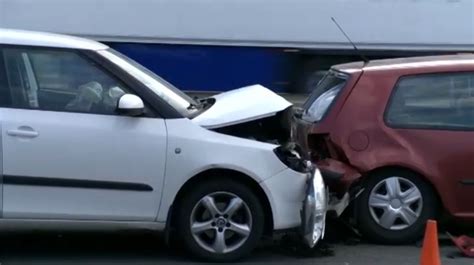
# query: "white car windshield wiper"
193,106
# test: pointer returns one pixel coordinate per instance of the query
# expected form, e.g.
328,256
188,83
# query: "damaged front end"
275,129
270,118
315,203
278,129
338,175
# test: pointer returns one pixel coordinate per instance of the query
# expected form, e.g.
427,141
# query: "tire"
387,221
195,208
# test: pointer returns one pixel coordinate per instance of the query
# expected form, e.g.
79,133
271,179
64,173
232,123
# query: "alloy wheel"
221,222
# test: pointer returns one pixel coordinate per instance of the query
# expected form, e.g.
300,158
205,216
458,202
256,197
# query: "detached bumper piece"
313,214
465,244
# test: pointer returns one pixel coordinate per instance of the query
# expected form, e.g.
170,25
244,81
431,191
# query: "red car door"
433,116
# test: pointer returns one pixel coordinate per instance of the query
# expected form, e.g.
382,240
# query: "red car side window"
433,101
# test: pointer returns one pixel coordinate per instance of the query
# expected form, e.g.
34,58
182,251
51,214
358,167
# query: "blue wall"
212,68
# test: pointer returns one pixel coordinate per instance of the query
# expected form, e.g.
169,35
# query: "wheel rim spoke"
388,218
199,227
241,229
233,206
219,244
408,215
393,187
210,205
379,201
411,195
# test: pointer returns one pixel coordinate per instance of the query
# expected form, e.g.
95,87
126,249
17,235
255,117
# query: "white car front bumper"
298,200
313,213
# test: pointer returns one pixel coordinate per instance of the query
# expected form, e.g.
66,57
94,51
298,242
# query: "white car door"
66,153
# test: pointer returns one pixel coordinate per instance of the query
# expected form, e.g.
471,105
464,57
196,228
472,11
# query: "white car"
92,140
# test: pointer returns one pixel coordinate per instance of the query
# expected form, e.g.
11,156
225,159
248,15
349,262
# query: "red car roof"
408,63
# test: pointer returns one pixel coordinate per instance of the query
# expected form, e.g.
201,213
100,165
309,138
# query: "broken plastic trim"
290,155
313,213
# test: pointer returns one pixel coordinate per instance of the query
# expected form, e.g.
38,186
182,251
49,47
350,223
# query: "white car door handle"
23,131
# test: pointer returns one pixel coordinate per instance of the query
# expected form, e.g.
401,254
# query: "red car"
396,135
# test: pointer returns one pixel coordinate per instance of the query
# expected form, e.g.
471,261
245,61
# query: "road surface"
128,248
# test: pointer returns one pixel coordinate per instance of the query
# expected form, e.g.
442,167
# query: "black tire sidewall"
374,232
205,188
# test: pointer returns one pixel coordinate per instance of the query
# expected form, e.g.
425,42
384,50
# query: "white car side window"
59,80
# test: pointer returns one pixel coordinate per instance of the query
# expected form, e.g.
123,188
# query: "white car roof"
35,38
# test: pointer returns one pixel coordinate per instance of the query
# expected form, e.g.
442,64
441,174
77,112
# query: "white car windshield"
172,95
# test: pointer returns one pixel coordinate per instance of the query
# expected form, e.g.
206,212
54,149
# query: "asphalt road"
149,249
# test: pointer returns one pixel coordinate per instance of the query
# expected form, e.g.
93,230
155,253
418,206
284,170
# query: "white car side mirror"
130,105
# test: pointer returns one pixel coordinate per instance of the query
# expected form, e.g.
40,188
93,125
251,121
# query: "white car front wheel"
220,220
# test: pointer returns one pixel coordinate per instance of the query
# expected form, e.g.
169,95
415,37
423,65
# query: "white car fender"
285,192
193,149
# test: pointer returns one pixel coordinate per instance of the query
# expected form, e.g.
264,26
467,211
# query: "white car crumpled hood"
241,105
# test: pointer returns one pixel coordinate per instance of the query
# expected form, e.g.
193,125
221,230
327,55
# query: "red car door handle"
23,131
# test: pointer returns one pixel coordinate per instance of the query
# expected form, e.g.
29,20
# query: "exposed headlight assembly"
291,155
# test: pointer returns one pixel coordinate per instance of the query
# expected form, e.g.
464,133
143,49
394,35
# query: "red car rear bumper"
339,176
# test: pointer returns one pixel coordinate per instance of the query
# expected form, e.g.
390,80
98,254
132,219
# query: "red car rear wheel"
395,206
